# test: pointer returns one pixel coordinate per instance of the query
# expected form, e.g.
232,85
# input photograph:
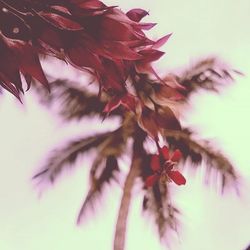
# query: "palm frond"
198,150
157,204
209,74
73,101
97,182
68,155
104,166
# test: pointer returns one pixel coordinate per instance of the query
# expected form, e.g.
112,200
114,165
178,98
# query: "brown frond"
157,204
98,179
198,150
73,101
209,74
104,167
68,155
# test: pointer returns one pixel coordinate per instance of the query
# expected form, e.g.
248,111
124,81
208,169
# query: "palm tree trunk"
121,224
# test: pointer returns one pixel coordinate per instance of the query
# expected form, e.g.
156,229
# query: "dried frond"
156,203
104,167
209,74
73,101
68,155
198,150
109,167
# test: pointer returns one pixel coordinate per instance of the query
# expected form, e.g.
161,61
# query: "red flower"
162,165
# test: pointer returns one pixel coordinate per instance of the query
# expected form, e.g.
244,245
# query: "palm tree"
77,102
112,46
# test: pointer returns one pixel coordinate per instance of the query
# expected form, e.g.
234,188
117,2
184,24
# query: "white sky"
209,221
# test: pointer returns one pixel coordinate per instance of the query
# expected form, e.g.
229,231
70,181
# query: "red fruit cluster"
162,165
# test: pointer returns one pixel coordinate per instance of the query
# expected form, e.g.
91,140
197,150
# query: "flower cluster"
162,165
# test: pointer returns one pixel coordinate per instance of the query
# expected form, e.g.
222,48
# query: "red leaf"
145,26
30,64
118,50
111,105
60,22
82,57
51,39
110,29
136,14
150,55
10,87
151,180
171,81
28,61
148,123
163,93
155,163
161,41
129,102
177,177
88,4
165,152
177,155
165,118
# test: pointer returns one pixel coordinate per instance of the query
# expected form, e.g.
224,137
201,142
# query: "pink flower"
162,165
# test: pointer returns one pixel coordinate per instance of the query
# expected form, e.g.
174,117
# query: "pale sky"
200,28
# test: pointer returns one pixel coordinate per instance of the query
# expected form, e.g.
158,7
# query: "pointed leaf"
177,177
177,155
160,42
165,152
137,14
166,119
155,163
